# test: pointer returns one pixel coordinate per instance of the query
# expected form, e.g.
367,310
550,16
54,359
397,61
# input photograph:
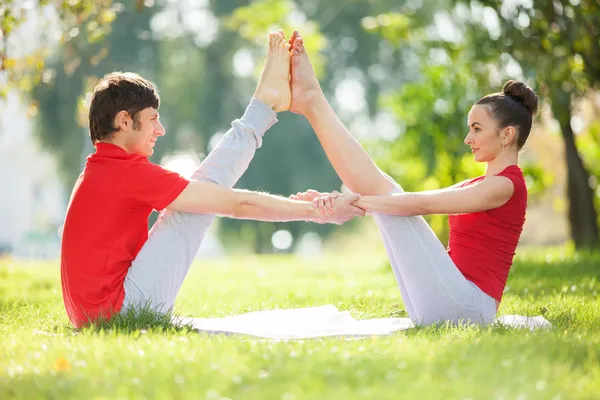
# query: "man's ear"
123,121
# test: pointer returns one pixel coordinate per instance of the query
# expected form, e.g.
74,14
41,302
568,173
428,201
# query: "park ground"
43,357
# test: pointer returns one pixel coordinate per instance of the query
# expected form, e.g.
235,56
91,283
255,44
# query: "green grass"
41,356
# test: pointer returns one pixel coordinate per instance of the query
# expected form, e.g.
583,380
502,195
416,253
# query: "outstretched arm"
210,198
485,195
488,194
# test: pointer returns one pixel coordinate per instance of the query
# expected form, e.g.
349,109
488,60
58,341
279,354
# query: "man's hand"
334,207
309,195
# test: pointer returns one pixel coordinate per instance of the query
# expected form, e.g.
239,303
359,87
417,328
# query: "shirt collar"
110,150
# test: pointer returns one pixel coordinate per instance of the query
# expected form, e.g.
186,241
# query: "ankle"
317,105
265,97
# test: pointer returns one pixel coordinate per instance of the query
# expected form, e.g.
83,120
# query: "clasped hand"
335,207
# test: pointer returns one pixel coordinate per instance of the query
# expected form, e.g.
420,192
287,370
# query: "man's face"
143,139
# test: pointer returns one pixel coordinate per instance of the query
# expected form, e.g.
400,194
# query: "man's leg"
157,273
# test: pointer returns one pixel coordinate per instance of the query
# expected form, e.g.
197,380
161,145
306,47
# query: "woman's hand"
325,202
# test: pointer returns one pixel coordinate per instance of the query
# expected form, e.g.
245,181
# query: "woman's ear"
508,135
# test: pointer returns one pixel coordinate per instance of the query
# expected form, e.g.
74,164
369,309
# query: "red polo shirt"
483,244
106,225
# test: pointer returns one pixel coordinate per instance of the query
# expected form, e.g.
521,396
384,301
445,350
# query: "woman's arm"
485,195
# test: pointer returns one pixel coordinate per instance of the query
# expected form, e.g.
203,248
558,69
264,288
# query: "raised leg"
351,162
157,273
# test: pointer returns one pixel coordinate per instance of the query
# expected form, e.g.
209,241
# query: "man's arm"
210,198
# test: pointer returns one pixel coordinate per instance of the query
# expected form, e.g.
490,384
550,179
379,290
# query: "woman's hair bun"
523,94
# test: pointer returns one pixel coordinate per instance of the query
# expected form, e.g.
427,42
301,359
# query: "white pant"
433,289
158,271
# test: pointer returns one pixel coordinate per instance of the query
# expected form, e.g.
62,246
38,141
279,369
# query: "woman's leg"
351,162
437,290
410,309
432,287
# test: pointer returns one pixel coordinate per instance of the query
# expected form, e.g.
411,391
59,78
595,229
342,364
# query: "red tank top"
482,244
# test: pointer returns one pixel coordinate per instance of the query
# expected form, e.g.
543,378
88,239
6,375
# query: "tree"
75,69
200,96
555,42
89,18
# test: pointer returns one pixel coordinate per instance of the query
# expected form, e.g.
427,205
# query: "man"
109,262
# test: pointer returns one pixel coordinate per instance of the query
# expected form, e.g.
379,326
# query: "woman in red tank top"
465,281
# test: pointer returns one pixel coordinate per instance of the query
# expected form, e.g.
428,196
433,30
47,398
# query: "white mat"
322,321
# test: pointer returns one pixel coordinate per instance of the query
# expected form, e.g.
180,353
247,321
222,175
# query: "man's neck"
115,143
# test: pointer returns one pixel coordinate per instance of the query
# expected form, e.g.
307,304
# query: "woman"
487,213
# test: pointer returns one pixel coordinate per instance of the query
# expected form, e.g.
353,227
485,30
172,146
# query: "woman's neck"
498,164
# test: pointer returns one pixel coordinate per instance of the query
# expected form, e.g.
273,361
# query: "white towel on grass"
322,321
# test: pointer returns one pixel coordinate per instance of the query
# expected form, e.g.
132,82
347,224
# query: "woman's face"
483,137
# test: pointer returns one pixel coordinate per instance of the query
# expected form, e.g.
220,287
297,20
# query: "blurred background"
401,74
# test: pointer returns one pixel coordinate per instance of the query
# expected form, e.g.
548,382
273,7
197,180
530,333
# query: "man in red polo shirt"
109,262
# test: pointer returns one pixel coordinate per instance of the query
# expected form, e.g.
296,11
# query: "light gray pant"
433,289
158,271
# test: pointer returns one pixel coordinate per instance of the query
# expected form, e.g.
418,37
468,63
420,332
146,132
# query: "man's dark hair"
119,91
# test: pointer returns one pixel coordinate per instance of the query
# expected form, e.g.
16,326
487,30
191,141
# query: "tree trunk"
583,218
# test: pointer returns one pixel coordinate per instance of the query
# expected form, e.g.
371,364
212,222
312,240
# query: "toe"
281,43
298,47
273,39
294,36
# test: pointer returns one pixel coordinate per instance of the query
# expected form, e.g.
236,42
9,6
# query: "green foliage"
564,63
76,67
82,22
589,146
427,82
433,112
567,54
430,152
255,20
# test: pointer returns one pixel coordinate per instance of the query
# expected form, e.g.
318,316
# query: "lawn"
41,356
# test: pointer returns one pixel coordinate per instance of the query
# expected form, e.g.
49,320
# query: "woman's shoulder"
512,169
514,173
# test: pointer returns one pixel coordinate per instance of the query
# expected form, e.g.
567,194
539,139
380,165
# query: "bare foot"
305,85
274,86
